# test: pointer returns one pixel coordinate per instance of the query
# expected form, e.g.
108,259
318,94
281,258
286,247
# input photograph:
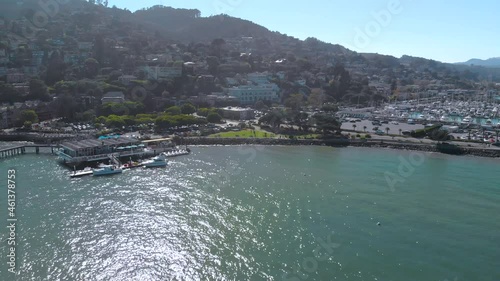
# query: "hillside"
124,40
492,62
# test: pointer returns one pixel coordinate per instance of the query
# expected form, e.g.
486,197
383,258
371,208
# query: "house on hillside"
16,77
117,97
250,94
126,79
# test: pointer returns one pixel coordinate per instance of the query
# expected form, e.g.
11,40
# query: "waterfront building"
238,113
92,147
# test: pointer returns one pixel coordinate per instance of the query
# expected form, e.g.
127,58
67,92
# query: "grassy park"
244,134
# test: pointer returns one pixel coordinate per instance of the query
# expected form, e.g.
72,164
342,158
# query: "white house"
117,97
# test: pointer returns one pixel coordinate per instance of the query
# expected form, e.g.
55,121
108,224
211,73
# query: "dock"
90,152
27,148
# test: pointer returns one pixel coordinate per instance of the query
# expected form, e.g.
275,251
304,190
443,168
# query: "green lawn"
309,136
244,134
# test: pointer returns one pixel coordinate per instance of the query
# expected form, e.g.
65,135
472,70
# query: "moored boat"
132,165
467,120
158,161
105,170
85,172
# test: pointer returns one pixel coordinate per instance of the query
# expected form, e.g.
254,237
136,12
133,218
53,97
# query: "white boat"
467,120
85,172
158,161
105,170
489,122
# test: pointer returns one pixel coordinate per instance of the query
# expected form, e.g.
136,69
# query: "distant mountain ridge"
491,62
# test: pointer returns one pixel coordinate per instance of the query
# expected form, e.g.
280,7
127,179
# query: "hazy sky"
446,30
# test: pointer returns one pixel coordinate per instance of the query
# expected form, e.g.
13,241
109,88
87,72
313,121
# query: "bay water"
259,213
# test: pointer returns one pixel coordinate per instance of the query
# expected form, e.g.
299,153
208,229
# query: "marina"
116,149
123,154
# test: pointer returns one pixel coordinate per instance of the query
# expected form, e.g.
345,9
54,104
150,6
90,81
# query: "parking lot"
393,127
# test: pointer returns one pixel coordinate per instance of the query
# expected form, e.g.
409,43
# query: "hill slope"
492,62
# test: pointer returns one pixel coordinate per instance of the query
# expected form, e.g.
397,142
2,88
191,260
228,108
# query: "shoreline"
424,147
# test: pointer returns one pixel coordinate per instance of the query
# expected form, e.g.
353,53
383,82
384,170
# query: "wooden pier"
23,149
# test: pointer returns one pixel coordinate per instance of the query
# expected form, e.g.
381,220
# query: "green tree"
439,135
8,93
38,90
214,118
27,125
217,46
327,123
88,115
173,110
301,119
259,105
100,120
115,121
331,108
316,98
188,108
55,69
213,64
273,119
29,115
294,101
91,68
204,112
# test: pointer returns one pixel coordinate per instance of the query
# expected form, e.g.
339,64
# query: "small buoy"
379,224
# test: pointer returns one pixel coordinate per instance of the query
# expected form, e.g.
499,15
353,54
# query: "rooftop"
92,143
231,108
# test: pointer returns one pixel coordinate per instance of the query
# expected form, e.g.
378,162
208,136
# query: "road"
393,129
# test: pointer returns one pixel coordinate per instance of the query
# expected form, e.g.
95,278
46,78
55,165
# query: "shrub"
368,136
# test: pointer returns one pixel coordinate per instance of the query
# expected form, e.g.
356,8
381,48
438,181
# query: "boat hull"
100,174
155,165
106,171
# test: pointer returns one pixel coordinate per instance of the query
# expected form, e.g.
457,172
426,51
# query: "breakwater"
427,147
